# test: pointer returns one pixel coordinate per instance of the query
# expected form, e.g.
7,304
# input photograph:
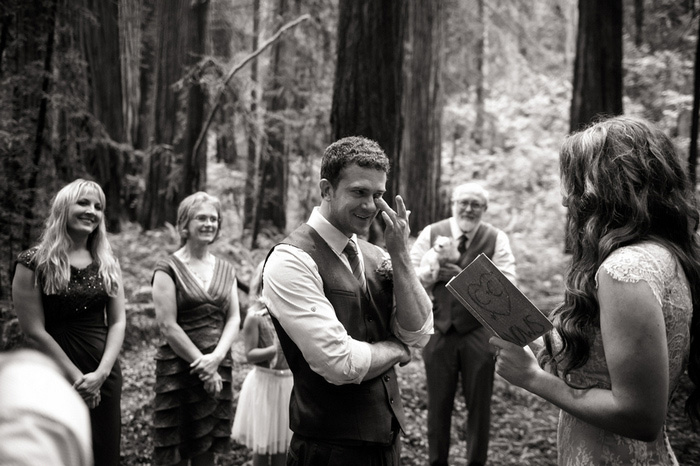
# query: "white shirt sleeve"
503,257
417,339
420,247
294,290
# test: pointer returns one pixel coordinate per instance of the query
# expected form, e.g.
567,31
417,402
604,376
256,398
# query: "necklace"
203,270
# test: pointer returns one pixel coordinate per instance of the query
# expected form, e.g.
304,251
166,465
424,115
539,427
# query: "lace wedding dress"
581,444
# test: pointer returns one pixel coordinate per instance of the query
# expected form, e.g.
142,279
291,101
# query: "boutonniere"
385,271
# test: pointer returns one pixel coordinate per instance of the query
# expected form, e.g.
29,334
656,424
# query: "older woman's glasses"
207,218
463,204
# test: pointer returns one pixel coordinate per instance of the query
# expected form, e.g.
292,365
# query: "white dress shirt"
502,257
293,289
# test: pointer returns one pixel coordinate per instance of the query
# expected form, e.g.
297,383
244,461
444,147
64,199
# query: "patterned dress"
581,444
187,421
75,318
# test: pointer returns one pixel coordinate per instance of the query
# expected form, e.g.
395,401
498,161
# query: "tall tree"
480,76
253,128
27,41
598,66
173,170
638,22
221,33
694,126
368,89
277,95
103,156
422,112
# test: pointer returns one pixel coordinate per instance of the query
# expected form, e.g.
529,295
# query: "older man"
460,343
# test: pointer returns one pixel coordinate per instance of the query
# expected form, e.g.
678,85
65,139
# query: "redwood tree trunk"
368,88
252,165
102,159
693,153
277,96
179,44
597,86
423,101
478,131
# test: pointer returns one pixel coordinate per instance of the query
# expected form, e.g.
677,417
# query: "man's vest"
356,412
448,311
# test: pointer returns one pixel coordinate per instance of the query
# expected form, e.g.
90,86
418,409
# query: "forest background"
155,100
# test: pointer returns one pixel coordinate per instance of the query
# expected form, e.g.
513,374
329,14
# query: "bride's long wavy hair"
623,183
52,265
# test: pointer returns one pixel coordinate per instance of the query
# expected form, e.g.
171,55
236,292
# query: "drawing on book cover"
497,303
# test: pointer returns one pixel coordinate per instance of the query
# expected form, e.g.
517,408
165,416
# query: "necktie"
462,244
351,251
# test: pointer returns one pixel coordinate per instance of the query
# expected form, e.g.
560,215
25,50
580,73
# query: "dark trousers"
305,451
446,356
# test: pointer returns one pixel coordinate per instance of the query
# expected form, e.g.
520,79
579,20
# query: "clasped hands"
88,387
206,368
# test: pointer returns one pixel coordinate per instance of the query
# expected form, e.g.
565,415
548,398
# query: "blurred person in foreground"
69,299
346,313
40,426
460,344
196,302
630,322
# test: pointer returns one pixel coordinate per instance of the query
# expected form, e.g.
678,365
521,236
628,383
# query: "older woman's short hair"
188,208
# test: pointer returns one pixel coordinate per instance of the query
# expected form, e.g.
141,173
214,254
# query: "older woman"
630,323
197,311
69,299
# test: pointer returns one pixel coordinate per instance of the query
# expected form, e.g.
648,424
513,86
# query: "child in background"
262,417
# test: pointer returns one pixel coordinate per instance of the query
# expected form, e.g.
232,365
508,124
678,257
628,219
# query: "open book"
497,303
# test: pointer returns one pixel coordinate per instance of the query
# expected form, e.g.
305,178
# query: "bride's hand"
515,364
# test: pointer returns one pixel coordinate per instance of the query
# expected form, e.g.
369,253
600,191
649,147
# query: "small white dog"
444,250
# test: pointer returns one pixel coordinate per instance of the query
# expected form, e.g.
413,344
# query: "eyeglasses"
205,218
463,204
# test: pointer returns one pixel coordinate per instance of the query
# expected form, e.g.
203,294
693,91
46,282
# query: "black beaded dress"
187,421
76,319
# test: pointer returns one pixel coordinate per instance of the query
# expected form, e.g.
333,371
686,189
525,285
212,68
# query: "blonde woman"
69,299
196,301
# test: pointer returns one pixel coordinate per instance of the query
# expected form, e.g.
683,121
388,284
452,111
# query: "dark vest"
362,411
448,311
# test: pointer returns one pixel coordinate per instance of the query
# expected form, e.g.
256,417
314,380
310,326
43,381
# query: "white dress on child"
262,416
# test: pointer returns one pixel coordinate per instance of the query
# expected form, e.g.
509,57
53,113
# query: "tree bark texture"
597,88
104,160
423,102
146,110
253,129
178,111
478,130
693,152
638,22
25,86
130,38
278,96
368,88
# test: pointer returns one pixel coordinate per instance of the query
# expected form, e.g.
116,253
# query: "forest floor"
523,430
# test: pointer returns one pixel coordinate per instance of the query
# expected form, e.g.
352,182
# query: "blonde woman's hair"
51,258
188,208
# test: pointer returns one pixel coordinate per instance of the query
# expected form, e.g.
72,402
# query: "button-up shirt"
293,289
